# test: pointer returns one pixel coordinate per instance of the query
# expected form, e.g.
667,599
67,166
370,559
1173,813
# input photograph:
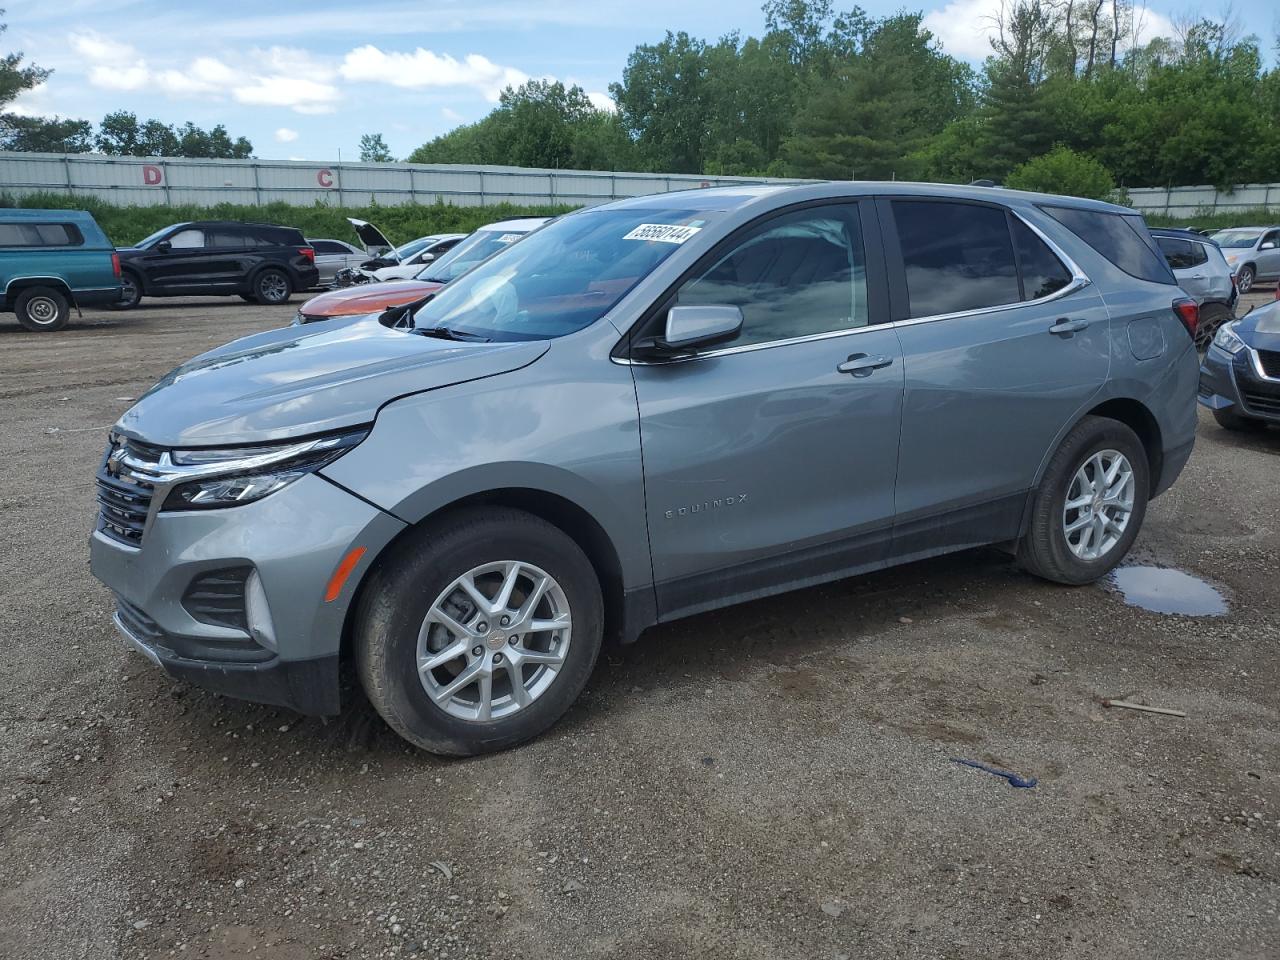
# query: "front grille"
1270,362
124,493
217,597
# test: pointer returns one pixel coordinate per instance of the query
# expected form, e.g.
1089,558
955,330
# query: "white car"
424,251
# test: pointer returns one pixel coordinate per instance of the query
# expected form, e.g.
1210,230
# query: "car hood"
305,380
1260,329
367,298
370,236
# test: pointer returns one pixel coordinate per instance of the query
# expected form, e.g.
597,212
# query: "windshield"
148,241
465,254
406,251
561,278
1236,238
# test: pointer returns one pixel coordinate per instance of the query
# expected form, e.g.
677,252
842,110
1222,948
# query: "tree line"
1067,99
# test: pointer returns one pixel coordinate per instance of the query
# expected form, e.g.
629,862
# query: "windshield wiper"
448,333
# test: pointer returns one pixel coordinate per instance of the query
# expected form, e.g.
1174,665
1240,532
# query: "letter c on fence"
152,175
325,178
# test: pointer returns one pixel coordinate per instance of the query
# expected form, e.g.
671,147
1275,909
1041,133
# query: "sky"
303,80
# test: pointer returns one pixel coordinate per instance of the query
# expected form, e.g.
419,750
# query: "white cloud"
966,27
602,101
285,135
425,68
276,77
450,114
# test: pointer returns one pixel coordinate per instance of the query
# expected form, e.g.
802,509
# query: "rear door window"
1179,254
329,247
957,256
228,238
1043,274
1117,238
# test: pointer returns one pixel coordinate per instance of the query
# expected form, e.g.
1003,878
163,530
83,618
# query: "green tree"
121,134
373,149
45,134
1063,171
664,103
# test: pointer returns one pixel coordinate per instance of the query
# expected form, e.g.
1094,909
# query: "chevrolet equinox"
645,410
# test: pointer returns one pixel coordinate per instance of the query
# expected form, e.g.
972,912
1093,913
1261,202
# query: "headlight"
229,476
1226,339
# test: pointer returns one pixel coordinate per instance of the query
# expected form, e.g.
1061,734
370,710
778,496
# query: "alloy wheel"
494,641
1099,504
274,288
1244,280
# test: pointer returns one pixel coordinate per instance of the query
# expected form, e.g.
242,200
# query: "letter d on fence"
152,175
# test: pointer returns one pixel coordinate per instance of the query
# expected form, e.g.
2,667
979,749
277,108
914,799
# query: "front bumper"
293,540
1237,383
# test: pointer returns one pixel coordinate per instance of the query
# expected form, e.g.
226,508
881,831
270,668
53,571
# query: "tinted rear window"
1043,273
1118,239
1181,254
40,235
957,256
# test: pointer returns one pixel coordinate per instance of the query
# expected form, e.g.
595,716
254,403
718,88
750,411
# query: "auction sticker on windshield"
510,237
662,232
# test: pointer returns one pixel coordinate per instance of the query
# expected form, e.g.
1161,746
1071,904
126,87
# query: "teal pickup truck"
51,261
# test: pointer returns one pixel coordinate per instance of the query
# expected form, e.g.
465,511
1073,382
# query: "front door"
769,461
1002,349
1269,255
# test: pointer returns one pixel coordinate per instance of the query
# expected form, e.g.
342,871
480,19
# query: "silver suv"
1202,271
645,410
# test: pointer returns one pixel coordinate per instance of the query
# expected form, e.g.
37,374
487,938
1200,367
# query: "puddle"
1162,590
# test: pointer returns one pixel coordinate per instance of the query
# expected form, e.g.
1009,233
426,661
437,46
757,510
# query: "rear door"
769,462
1002,346
1187,261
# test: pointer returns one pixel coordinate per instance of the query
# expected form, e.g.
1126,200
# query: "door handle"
1065,327
861,364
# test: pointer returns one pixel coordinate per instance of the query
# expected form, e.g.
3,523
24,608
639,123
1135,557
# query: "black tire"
42,309
271,287
1245,278
401,590
1212,316
1233,421
1044,550
130,291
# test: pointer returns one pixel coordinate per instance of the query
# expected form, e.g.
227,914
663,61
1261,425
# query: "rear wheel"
1244,279
42,309
479,631
1212,316
272,287
1090,504
1231,420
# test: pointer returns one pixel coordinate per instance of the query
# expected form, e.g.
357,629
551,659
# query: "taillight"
115,265
1189,313
307,253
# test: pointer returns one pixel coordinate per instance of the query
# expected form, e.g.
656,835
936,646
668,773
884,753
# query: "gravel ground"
769,781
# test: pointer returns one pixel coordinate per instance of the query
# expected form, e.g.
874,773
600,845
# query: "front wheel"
271,288
42,309
1090,504
479,631
1244,279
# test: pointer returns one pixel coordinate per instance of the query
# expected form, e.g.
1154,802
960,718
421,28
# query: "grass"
128,225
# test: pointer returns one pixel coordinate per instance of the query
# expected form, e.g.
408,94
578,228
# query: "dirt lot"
771,781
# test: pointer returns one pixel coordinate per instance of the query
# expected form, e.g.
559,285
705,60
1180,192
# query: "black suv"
256,261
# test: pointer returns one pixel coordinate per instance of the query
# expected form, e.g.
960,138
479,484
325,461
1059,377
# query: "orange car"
375,297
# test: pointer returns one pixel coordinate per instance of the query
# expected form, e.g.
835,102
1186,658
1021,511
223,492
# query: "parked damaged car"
1240,375
369,298
645,410
386,262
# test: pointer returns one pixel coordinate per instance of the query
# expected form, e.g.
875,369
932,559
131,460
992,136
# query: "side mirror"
1267,245
689,328
164,246
426,258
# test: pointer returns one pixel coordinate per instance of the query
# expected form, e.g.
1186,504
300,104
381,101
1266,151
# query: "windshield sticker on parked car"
509,237
662,232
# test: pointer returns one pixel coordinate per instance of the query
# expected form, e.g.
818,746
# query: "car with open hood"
362,299
644,410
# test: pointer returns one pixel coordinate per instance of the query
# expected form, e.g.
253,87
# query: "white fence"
149,182
1197,201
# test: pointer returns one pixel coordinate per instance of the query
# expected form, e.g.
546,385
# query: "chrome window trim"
1079,280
